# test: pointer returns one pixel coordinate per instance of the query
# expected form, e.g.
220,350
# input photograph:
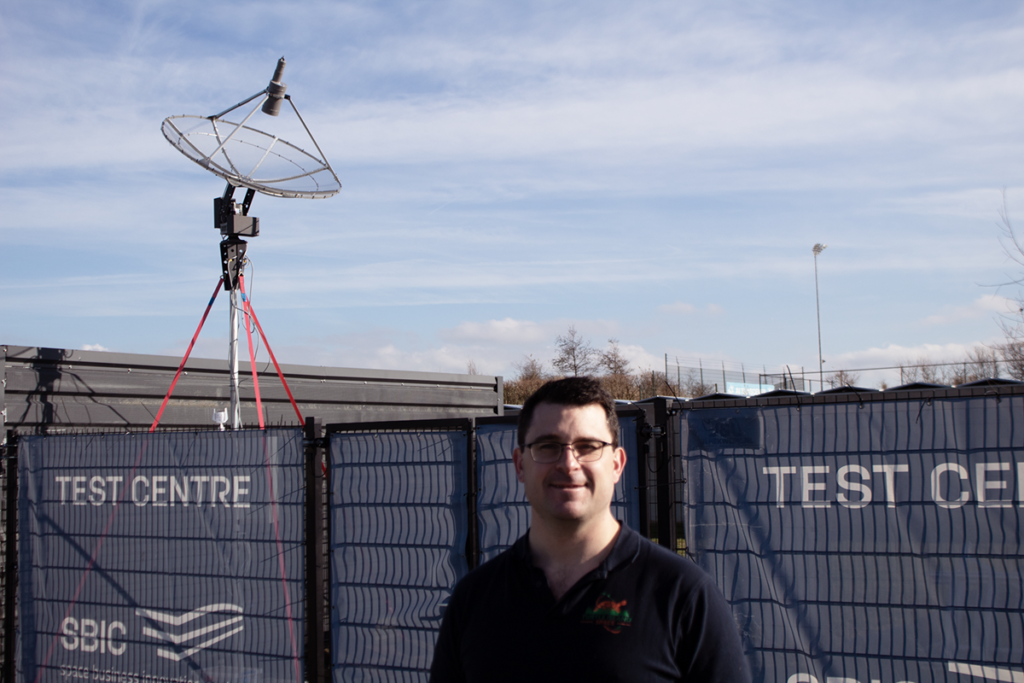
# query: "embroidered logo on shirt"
609,613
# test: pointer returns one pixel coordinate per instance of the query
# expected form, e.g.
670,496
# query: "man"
581,597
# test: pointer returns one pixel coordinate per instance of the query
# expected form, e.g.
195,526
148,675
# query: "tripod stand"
233,220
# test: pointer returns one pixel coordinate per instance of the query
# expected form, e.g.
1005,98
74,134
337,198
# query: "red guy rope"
202,322
280,374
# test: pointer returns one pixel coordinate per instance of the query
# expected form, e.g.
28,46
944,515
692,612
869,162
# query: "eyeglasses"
547,452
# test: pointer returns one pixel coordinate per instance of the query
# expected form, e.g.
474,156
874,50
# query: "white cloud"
451,358
498,331
641,359
678,307
981,307
587,92
732,118
94,347
895,354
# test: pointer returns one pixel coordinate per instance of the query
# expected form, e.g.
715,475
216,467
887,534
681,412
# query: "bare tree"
979,363
471,367
932,373
576,356
611,359
691,385
618,380
530,377
923,371
982,363
529,368
1012,353
843,378
655,383
622,387
1013,247
908,371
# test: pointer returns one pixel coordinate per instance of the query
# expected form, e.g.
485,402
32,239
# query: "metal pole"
317,667
817,249
666,500
236,410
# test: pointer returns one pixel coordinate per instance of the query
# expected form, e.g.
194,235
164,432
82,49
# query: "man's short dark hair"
571,391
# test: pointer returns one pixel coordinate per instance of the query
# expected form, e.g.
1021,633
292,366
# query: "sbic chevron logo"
208,625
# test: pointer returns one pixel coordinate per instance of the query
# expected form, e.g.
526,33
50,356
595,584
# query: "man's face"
568,490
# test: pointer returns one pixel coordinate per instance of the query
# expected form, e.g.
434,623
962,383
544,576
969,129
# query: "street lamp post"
817,249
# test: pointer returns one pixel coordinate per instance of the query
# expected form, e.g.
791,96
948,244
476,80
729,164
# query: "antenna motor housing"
229,218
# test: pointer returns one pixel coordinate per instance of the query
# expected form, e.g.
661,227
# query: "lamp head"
275,91
818,248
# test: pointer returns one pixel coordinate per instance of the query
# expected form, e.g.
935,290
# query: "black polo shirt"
646,614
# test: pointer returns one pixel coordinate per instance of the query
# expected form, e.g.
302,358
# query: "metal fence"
9,559
865,540
162,557
859,536
415,506
398,545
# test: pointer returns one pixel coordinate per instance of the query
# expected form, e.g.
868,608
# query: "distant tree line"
575,356
981,362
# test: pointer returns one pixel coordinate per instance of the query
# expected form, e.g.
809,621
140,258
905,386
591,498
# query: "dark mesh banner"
865,543
161,558
626,503
398,541
502,510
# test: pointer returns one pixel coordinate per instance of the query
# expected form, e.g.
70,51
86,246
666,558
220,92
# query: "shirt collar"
625,550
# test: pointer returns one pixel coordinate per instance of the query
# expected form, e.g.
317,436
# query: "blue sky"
654,172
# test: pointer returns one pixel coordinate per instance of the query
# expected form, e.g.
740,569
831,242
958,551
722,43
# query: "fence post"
643,433
10,554
473,530
318,659
665,485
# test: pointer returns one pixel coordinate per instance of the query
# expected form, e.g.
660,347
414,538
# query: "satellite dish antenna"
247,157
